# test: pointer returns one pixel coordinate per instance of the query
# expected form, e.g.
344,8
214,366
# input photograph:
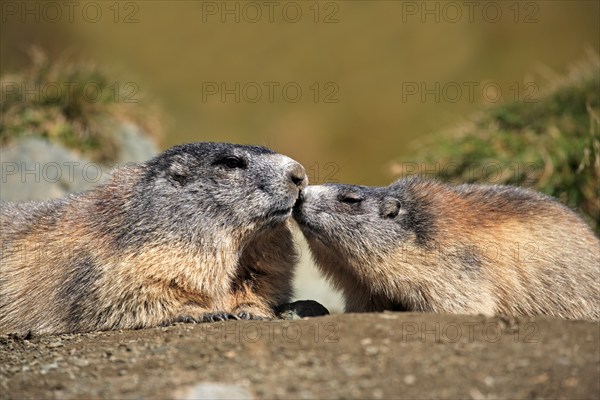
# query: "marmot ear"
178,179
390,208
178,172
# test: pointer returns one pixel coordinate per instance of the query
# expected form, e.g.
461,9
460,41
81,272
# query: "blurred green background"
364,55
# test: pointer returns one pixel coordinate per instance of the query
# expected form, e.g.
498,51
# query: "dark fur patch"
118,223
419,219
469,260
247,276
420,215
78,291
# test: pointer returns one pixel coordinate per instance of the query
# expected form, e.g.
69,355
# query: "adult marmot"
421,245
196,234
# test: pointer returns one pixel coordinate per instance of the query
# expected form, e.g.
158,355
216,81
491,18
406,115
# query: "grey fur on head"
205,189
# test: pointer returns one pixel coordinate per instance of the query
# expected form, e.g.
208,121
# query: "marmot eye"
350,199
232,162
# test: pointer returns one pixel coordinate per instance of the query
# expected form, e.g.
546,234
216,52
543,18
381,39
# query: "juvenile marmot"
198,233
425,246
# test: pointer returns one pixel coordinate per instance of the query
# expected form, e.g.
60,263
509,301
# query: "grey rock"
134,145
34,169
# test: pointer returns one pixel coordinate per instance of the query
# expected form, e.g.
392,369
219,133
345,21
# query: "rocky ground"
361,356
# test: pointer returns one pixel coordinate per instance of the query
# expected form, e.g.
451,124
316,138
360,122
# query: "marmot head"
358,227
218,188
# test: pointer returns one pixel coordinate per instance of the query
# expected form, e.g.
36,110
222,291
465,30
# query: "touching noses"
297,176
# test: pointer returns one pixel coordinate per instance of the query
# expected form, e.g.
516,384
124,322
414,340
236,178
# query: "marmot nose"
297,175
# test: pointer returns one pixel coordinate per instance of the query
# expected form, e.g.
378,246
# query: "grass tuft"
552,145
74,105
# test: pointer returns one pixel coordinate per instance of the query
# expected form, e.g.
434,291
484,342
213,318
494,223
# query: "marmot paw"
186,319
218,316
245,315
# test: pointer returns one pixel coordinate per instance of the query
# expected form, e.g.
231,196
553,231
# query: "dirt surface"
388,355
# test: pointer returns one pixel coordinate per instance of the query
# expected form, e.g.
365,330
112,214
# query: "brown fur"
66,266
455,249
